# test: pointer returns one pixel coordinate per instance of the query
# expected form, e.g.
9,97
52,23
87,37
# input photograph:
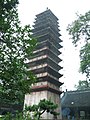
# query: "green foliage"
37,110
83,85
16,46
43,106
17,116
85,60
80,27
80,31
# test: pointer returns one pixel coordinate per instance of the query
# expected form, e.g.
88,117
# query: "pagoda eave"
45,87
49,79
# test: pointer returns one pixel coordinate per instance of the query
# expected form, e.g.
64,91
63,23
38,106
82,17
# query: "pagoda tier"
50,43
45,68
47,86
44,60
50,34
46,51
46,36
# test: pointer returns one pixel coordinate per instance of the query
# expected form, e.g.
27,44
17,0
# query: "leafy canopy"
37,110
83,85
16,46
80,32
43,106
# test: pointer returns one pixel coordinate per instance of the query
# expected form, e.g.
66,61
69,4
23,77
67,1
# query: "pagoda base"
44,93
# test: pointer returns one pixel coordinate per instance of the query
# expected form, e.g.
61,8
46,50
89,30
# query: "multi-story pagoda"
45,60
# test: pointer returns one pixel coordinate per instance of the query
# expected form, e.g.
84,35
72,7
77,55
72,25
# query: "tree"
83,85
16,46
80,32
37,111
43,106
18,116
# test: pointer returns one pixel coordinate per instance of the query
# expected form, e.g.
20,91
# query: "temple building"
45,61
76,104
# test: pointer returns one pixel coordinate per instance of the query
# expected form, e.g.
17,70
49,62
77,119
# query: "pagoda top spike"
47,8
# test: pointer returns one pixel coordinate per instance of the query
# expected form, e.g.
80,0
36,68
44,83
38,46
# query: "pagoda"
45,61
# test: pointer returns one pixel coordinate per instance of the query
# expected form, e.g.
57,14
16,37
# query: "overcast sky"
66,11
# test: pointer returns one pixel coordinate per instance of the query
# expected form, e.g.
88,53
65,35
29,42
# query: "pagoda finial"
47,8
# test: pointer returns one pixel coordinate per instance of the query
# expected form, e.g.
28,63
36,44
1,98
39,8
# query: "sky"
66,11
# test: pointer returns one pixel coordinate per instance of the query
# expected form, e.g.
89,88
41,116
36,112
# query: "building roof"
76,99
46,12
